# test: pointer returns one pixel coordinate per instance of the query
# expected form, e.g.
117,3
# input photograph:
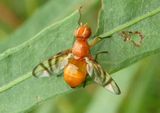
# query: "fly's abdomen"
75,72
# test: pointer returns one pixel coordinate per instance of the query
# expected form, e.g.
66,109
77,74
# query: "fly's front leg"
96,40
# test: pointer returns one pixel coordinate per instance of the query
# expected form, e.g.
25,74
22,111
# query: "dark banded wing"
101,77
54,65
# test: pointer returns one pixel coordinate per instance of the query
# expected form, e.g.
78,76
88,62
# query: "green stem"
128,24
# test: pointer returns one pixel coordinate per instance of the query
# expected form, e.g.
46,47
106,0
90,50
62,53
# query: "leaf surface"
17,62
108,103
20,55
127,15
144,88
49,13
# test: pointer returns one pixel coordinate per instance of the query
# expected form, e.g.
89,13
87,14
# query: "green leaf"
140,91
143,95
17,62
51,12
21,60
128,15
28,54
103,102
22,54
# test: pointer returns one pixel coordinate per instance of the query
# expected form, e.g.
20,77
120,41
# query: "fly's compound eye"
83,32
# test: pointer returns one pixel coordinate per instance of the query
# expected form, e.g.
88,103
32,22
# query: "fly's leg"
84,83
106,37
99,53
96,40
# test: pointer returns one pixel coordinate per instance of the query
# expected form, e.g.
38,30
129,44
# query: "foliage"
42,35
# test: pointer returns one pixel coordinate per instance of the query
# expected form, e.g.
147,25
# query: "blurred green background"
139,83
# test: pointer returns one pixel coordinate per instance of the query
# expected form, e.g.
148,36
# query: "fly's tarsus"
105,37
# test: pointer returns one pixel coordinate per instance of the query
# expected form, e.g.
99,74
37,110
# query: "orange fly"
77,64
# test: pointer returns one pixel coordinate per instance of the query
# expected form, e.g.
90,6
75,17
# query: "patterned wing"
101,77
54,65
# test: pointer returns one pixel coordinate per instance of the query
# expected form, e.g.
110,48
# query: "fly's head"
83,32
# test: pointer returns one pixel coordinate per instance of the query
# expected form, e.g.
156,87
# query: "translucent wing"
54,65
101,77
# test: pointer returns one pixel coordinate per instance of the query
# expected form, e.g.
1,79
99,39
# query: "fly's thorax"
75,72
81,48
